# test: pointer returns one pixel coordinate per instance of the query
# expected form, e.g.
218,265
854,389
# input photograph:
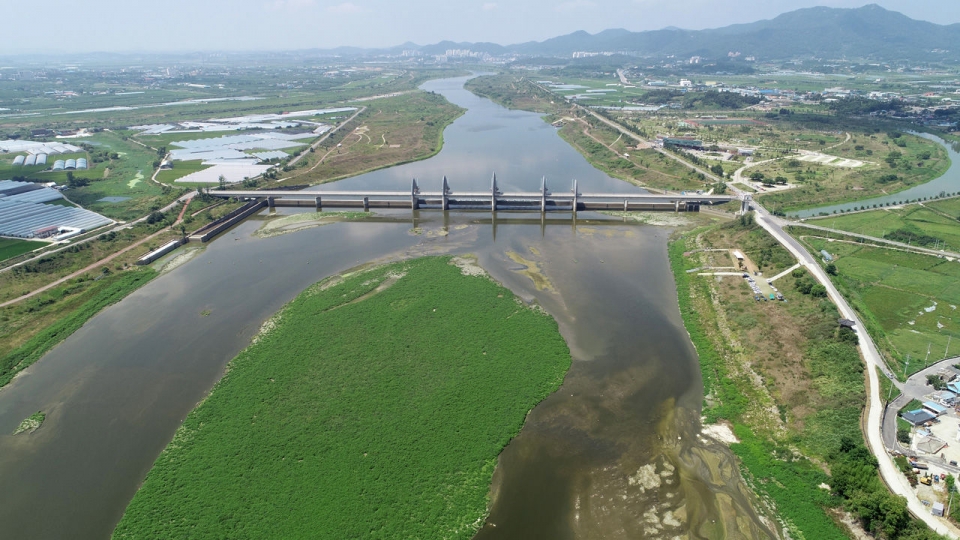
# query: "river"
948,182
615,453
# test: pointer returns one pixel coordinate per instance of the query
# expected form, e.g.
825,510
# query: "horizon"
240,28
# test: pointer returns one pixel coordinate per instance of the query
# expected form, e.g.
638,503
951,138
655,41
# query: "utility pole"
905,365
927,357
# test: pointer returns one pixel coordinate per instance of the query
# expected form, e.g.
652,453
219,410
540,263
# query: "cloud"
345,8
489,6
290,5
575,4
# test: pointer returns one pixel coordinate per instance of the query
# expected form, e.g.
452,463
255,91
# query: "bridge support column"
543,196
493,193
270,202
625,208
414,192
319,205
444,192
676,206
576,196
366,204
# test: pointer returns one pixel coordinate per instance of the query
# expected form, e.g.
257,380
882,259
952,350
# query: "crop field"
920,225
10,248
376,423
910,300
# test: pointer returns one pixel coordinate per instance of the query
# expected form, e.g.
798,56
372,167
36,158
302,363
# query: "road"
874,411
105,260
915,388
901,245
326,136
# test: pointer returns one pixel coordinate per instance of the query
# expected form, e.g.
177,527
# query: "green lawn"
180,169
894,290
360,414
10,248
928,227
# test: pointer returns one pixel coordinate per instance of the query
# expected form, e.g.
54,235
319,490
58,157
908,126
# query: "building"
937,509
826,256
934,408
917,417
686,83
683,142
945,397
847,323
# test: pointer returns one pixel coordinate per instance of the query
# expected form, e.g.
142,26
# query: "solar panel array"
24,219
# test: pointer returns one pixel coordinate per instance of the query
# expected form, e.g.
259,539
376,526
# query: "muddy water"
614,454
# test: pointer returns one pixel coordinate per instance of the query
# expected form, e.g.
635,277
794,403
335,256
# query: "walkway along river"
615,453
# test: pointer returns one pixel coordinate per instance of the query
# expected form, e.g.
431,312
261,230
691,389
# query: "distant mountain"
869,32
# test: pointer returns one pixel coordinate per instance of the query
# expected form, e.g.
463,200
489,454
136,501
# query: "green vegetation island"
375,404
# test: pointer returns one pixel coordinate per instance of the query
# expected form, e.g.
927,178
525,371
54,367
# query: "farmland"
375,422
11,248
928,224
908,301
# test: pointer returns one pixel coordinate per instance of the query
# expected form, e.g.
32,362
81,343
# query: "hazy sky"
184,25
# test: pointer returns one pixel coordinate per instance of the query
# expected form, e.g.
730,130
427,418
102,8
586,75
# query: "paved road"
917,249
874,411
915,388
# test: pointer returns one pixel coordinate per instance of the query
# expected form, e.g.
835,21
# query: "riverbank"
374,420
791,383
391,132
72,312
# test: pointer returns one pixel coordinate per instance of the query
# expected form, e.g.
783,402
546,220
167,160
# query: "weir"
495,200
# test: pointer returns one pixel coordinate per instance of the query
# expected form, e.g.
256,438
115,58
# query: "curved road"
874,412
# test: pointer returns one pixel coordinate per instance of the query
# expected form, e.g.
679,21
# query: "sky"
211,25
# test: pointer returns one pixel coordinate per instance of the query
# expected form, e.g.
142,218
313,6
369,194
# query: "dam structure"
494,200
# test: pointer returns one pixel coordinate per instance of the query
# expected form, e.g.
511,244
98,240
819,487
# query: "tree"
717,170
756,176
223,182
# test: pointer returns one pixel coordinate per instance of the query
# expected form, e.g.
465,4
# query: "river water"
615,453
949,182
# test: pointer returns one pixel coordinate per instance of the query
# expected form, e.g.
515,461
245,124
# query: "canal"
616,452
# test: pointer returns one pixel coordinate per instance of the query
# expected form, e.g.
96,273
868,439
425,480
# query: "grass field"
391,131
10,247
357,414
179,170
927,225
917,161
894,291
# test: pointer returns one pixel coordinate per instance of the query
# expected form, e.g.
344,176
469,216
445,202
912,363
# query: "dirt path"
327,135
103,261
